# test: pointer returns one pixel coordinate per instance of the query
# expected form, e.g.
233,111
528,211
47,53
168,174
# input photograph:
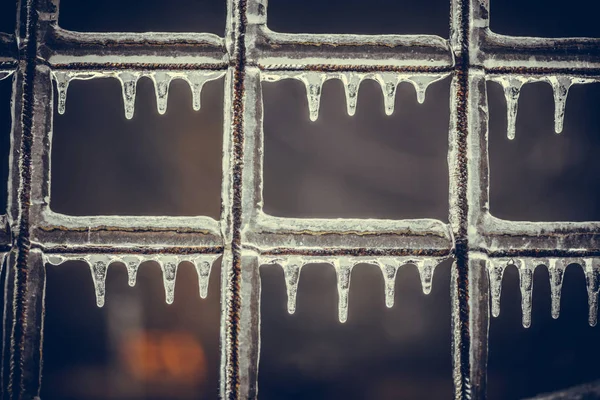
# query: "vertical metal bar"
469,283
25,280
233,381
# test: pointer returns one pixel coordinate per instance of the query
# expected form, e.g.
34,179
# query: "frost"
98,265
343,265
388,81
128,79
556,269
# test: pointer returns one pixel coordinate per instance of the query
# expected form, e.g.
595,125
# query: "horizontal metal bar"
275,50
499,235
357,252
500,51
65,48
125,249
268,232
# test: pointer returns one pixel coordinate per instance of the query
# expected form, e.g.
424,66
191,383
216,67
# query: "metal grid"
249,53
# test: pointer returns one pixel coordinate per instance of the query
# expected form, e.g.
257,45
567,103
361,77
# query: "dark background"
368,165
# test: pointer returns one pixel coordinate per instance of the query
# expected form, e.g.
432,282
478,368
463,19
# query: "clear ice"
556,270
343,265
99,264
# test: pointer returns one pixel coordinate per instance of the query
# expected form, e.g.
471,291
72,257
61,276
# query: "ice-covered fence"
41,53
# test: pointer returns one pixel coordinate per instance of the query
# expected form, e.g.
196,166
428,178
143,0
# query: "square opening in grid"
553,354
375,354
8,16
545,18
136,346
374,17
542,176
369,165
147,16
5,129
152,164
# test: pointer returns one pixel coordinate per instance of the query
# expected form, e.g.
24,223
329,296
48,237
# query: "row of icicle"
162,81
168,264
343,266
512,85
556,269
314,80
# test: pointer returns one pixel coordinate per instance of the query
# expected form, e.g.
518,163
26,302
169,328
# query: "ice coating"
592,280
162,81
128,79
388,81
98,265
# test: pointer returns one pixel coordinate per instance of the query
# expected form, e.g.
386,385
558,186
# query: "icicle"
129,83
512,90
526,270
162,81
422,82
560,86
351,85
291,271
98,265
132,264
343,269
426,268
169,265
389,84
592,280
196,80
496,271
556,268
314,83
203,267
390,271
62,84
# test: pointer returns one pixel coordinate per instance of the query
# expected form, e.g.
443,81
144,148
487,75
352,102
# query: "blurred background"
368,165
